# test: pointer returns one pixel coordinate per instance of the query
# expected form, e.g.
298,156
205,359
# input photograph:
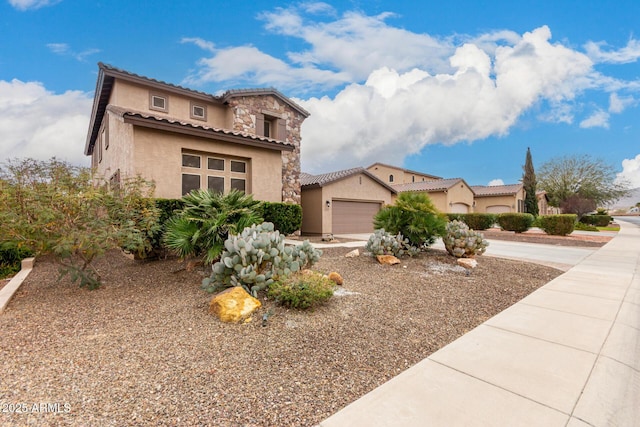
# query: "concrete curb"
10,288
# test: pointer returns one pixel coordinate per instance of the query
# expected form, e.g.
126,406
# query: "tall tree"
571,177
529,182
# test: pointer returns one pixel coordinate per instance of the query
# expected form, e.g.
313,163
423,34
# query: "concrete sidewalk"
566,355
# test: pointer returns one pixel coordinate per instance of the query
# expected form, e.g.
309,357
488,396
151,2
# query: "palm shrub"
207,219
415,217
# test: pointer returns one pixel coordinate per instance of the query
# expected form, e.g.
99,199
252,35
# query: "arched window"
390,178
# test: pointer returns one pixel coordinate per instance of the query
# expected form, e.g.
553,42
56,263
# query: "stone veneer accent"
245,109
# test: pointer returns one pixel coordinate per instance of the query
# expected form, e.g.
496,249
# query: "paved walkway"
566,355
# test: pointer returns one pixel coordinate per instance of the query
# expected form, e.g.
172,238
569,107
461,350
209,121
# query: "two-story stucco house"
184,139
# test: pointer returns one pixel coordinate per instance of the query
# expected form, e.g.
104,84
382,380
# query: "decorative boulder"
353,254
233,305
387,259
467,263
336,277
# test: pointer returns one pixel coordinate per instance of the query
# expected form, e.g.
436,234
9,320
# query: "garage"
459,208
353,217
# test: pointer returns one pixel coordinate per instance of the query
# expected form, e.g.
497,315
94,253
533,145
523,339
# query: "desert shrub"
518,222
462,242
53,207
286,217
596,220
302,290
383,243
11,256
256,258
557,225
207,219
584,227
475,221
415,217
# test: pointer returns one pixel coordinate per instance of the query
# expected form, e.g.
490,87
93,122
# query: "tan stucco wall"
136,97
119,154
459,193
157,156
400,176
355,188
312,211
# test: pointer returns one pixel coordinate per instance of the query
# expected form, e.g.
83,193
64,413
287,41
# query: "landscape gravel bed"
143,349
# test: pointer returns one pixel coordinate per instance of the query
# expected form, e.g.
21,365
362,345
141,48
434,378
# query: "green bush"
461,242
201,227
518,222
557,225
286,217
258,257
11,256
415,217
596,220
302,290
475,221
584,227
383,243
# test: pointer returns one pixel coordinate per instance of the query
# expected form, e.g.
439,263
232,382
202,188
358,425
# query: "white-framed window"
238,184
215,164
198,111
238,166
159,102
215,183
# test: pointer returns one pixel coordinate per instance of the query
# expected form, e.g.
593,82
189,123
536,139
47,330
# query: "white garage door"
353,217
459,208
498,209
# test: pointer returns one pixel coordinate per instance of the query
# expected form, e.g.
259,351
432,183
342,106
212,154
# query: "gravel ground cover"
143,350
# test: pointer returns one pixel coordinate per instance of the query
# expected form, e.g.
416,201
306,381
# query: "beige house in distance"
394,175
451,195
499,198
184,139
342,202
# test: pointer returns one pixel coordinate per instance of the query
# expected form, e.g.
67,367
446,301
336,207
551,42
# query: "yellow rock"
336,277
233,305
387,259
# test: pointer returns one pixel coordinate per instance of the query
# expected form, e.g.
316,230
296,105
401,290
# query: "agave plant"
206,220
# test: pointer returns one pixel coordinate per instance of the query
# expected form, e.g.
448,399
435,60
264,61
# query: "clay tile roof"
308,180
127,113
496,190
435,185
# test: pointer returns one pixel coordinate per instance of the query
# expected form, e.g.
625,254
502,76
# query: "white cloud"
629,53
64,49
32,4
37,123
395,114
618,104
599,118
630,172
495,182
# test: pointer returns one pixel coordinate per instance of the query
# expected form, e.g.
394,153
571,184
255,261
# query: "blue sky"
455,89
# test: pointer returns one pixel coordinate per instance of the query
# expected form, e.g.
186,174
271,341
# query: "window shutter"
259,124
282,130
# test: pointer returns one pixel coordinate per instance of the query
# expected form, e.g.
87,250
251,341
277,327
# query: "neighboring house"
342,202
393,175
184,139
499,198
451,195
543,204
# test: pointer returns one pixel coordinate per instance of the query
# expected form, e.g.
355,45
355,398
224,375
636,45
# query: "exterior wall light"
328,203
